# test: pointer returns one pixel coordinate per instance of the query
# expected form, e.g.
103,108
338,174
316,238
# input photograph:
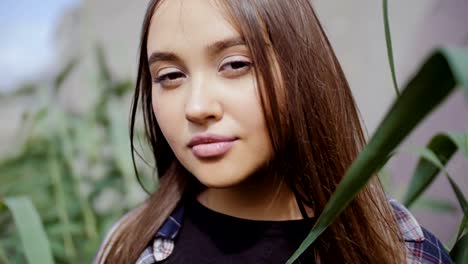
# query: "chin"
219,180
226,172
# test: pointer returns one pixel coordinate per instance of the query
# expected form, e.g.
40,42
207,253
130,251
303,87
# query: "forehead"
181,24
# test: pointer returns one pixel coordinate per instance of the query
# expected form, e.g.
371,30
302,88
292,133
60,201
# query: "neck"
258,198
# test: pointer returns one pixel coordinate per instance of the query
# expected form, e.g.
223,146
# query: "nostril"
200,117
202,112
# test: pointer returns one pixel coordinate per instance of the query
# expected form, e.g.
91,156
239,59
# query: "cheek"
248,110
167,117
249,115
256,121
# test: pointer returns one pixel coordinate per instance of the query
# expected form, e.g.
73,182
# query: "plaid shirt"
422,247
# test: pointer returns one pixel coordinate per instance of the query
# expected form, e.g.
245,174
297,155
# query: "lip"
211,145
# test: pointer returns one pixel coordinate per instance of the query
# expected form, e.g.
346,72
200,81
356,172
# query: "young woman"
252,126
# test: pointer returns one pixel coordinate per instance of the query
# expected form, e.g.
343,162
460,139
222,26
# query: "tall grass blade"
64,73
433,160
3,256
61,202
436,205
463,204
459,194
459,252
438,152
463,226
35,242
388,39
461,140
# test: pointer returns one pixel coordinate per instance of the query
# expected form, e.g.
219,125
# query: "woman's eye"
170,79
235,68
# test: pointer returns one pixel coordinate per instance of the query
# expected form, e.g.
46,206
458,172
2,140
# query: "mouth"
211,145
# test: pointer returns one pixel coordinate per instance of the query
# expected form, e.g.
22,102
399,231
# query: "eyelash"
179,74
167,75
245,63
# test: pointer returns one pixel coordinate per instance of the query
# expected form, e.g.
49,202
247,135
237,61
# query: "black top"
207,236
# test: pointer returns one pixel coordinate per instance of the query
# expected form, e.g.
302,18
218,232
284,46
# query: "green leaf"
434,82
24,90
35,243
441,206
459,194
67,154
433,158
463,226
61,203
463,204
64,73
461,140
459,252
103,68
386,180
3,256
122,87
388,39
457,59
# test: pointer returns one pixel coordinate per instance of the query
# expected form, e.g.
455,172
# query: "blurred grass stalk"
73,167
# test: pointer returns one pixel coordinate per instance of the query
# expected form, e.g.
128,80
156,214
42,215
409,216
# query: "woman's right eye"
170,79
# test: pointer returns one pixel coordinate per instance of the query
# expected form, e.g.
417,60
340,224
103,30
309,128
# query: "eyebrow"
162,56
221,45
212,50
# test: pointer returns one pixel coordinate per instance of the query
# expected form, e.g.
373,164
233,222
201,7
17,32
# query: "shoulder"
422,247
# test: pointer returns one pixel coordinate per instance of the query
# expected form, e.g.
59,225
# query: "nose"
202,104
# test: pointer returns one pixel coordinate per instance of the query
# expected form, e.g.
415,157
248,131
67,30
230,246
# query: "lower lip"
212,150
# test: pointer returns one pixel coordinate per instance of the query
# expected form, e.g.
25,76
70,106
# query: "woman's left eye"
235,68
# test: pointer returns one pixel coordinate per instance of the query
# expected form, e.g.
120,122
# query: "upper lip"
209,138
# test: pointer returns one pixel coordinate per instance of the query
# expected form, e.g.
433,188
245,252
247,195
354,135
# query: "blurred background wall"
40,37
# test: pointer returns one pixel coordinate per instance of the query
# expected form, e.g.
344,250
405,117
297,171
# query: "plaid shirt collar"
422,246
163,242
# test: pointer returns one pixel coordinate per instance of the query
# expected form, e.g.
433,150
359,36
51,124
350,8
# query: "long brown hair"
314,128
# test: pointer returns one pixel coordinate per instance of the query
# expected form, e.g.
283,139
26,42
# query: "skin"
199,89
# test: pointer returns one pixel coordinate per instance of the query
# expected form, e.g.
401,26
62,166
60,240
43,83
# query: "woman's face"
204,93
